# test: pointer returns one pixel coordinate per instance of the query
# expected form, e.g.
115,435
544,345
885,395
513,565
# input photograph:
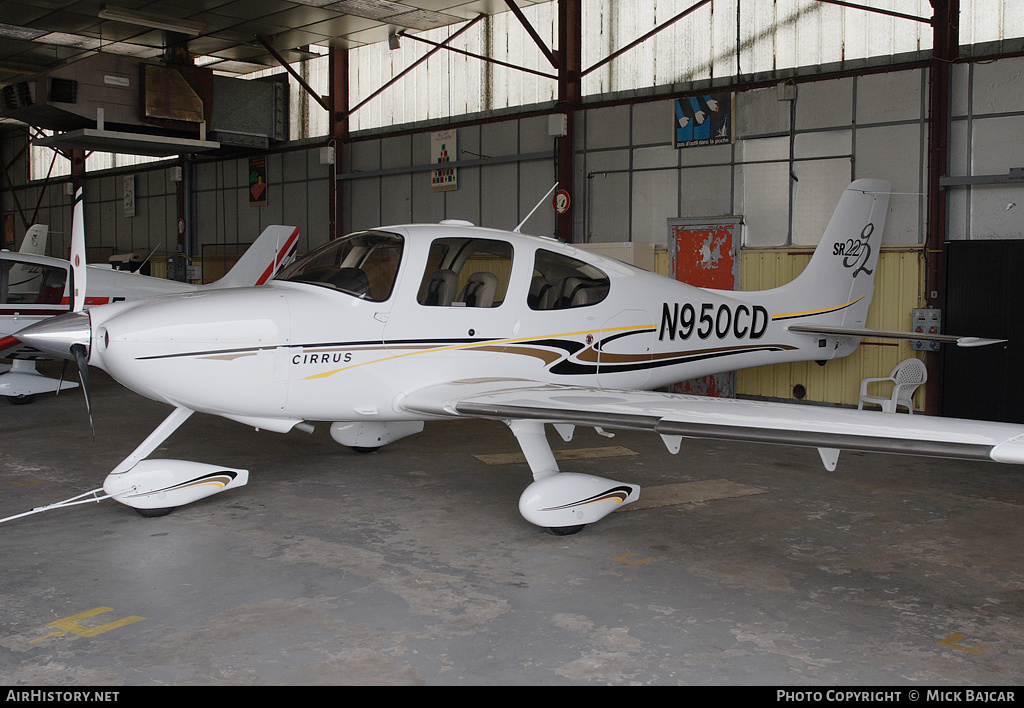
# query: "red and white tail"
268,254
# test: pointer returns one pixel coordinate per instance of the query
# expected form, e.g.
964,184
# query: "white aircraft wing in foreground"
381,330
527,406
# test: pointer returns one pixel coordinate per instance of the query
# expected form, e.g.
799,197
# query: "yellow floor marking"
513,458
70,624
26,483
690,492
626,559
953,642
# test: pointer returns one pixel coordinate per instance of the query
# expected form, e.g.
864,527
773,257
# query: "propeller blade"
81,354
78,263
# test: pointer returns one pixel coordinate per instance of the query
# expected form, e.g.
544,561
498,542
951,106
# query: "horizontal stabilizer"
884,334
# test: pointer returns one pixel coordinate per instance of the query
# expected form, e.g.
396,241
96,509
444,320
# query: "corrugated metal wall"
784,174
720,41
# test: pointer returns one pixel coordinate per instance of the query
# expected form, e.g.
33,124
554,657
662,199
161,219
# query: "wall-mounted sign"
444,149
706,119
561,201
258,181
129,195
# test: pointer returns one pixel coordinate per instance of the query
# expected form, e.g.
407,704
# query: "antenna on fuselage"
542,199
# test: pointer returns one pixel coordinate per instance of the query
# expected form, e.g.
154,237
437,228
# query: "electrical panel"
926,320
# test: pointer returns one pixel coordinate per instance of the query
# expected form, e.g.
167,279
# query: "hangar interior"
340,111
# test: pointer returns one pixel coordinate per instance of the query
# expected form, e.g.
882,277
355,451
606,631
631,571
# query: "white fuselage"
293,351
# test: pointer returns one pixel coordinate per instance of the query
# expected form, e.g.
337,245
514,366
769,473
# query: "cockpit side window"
560,282
23,283
466,272
363,264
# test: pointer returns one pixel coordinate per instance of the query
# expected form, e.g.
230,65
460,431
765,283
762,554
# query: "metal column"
339,109
946,49
570,40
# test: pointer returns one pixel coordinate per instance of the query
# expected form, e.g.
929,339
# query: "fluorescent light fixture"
151,20
76,41
18,32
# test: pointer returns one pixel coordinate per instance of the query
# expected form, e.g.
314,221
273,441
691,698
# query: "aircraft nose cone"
55,337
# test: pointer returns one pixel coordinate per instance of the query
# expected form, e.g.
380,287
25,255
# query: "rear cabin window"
466,272
560,282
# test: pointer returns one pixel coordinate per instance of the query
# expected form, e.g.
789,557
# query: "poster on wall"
129,195
705,119
703,253
444,149
258,181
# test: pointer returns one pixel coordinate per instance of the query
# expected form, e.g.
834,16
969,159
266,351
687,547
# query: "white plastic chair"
906,377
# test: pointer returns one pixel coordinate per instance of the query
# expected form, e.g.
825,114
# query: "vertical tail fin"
35,240
264,258
837,285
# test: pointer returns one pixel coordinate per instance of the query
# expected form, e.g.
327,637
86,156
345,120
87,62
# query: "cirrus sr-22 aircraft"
381,330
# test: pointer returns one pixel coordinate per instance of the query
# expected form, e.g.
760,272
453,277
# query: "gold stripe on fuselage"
489,345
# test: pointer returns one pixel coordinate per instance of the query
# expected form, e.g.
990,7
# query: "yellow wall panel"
898,284
897,290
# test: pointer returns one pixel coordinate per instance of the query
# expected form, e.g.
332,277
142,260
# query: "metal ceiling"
39,35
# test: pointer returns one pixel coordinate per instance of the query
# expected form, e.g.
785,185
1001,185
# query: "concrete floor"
748,565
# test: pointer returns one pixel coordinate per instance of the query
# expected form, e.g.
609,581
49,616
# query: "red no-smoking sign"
561,201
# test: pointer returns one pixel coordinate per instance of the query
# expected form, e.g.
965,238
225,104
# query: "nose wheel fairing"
157,485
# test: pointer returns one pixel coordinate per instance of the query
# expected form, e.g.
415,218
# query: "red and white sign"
561,201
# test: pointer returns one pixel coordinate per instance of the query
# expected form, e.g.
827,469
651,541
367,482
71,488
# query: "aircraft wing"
674,416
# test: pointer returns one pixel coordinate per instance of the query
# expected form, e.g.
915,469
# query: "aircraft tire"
365,450
155,513
566,530
22,400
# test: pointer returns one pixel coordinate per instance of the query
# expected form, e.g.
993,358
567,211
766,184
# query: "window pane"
560,282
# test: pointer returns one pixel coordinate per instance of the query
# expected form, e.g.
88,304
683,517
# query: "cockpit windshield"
363,264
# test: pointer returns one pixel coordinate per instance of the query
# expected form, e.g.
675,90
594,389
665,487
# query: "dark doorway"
985,298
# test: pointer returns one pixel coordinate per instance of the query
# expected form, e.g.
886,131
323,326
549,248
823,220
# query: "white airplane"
34,287
381,330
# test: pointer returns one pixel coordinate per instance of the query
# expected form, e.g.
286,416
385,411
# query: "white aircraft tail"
262,261
35,240
836,287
